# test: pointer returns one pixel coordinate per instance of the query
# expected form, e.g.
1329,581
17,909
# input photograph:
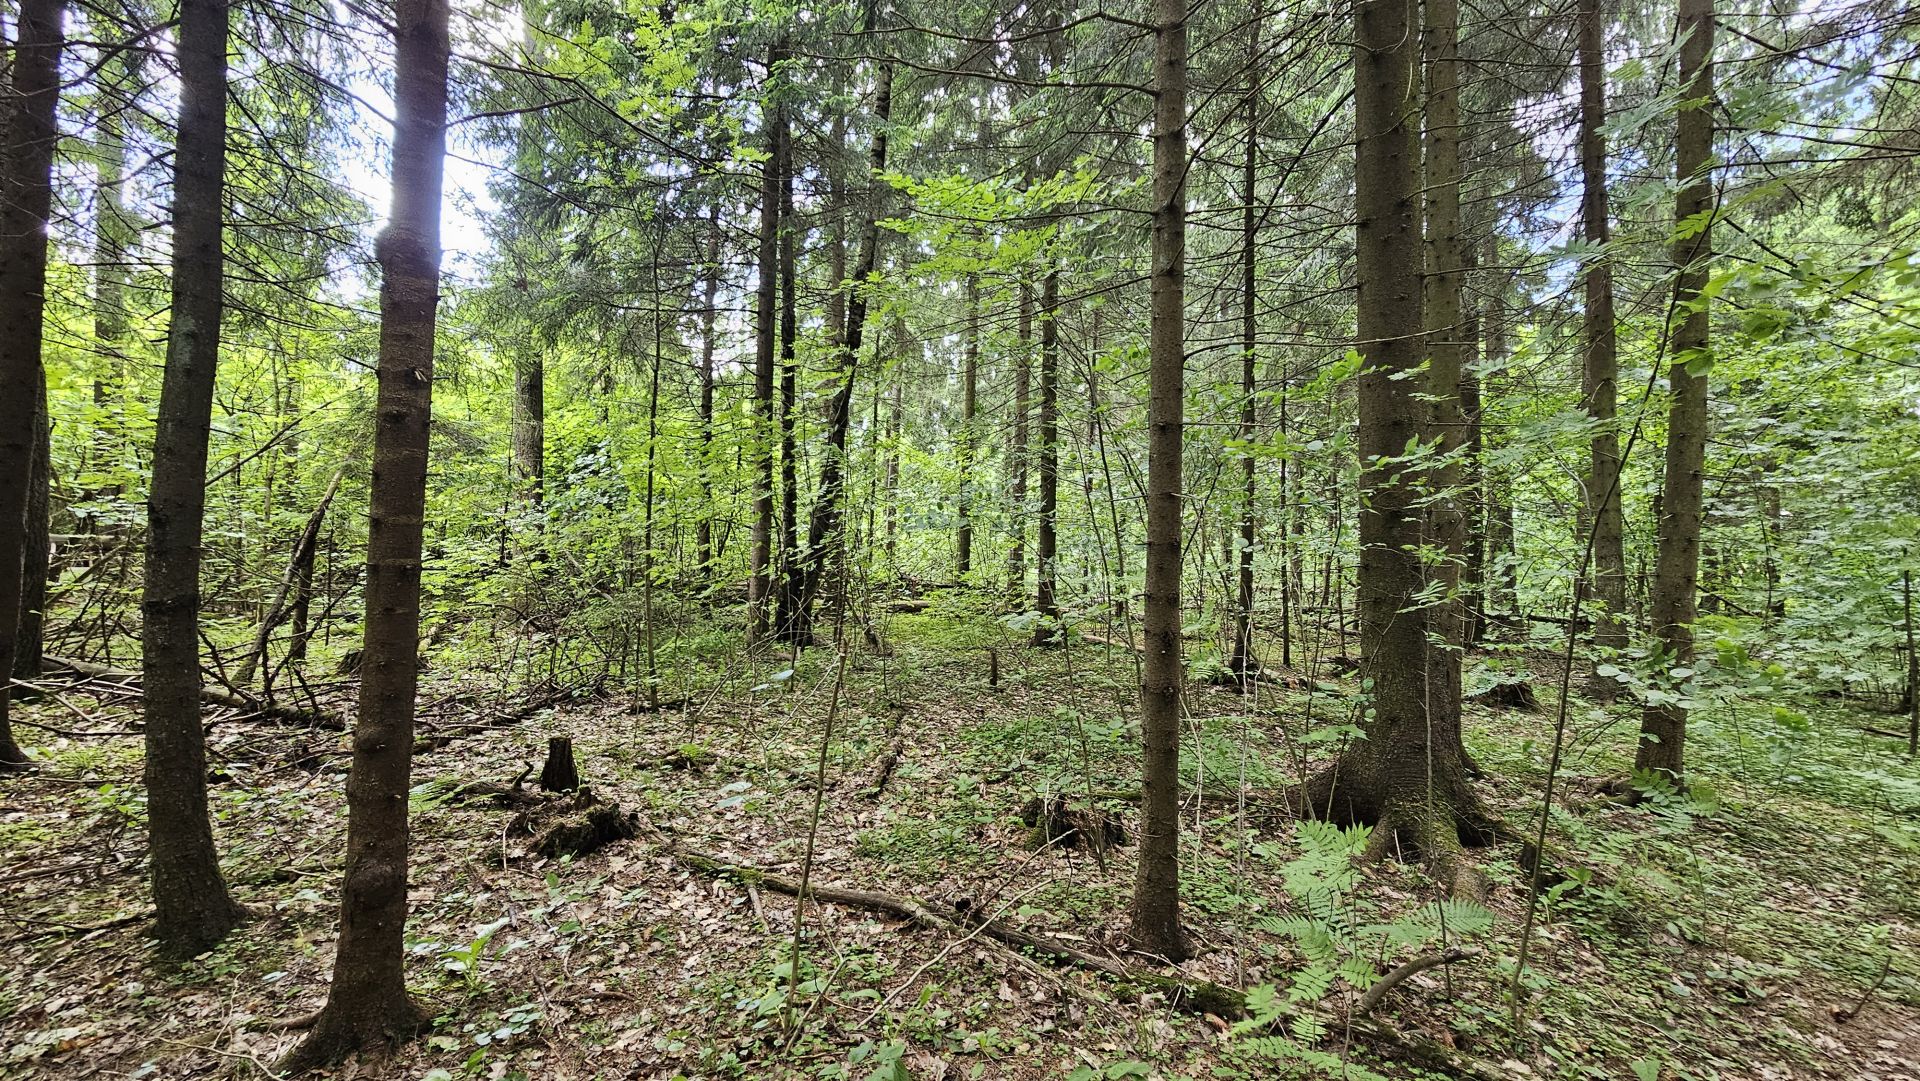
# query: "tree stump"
559,773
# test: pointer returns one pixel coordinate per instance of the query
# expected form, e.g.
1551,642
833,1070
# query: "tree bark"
969,405
1663,725
1018,450
368,1006
710,293
1600,371
529,428
191,906
26,198
1406,777
1443,321
36,545
760,574
1155,917
1047,631
1242,662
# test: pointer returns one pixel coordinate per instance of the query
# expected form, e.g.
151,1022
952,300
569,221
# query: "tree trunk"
36,545
1155,918
299,570
1017,452
529,428
1913,667
969,405
191,906
1406,776
1242,661
760,579
823,527
367,1004
1046,540
1663,726
559,773
710,293
26,197
787,588
1600,373
1503,587
110,231
1445,259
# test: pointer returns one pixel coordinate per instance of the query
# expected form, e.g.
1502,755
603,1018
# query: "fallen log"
1198,997
209,694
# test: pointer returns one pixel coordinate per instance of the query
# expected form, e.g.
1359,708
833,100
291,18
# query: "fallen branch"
1406,971
87,670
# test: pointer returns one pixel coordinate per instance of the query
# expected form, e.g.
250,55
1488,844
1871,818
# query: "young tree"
1599,373
1663,725
969,405
26,198
192,910
1155,919
1047,464
368,1007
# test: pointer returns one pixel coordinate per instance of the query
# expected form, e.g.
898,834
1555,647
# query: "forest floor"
1725,934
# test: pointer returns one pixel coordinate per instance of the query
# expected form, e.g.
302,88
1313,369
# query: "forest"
1151,539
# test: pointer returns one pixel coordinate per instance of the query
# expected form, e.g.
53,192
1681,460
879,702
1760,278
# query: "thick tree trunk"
1443,323
760,579
787,589
969,405
824,525
26,197
1406,776
1663,726
1046,540
1155,918
191,906
367,1004
1600,373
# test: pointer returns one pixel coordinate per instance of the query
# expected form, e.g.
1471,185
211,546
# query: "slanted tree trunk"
824,524
1154,923
969,405
368,1007
1600,371
191,907
760,579
1663,725
26,197
1047,631
299,570
1406,777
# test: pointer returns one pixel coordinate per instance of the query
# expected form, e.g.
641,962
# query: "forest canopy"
717,538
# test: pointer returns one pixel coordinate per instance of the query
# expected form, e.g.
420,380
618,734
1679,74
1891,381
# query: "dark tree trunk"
1046,541
1242,662
824,525
710,293
1155,919
788,587
969,405
1017,451
559,773
35,546
368,1007
1663,727
1600,373
760,580
26,197
191,907
1913,667
1406,776
1445,258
